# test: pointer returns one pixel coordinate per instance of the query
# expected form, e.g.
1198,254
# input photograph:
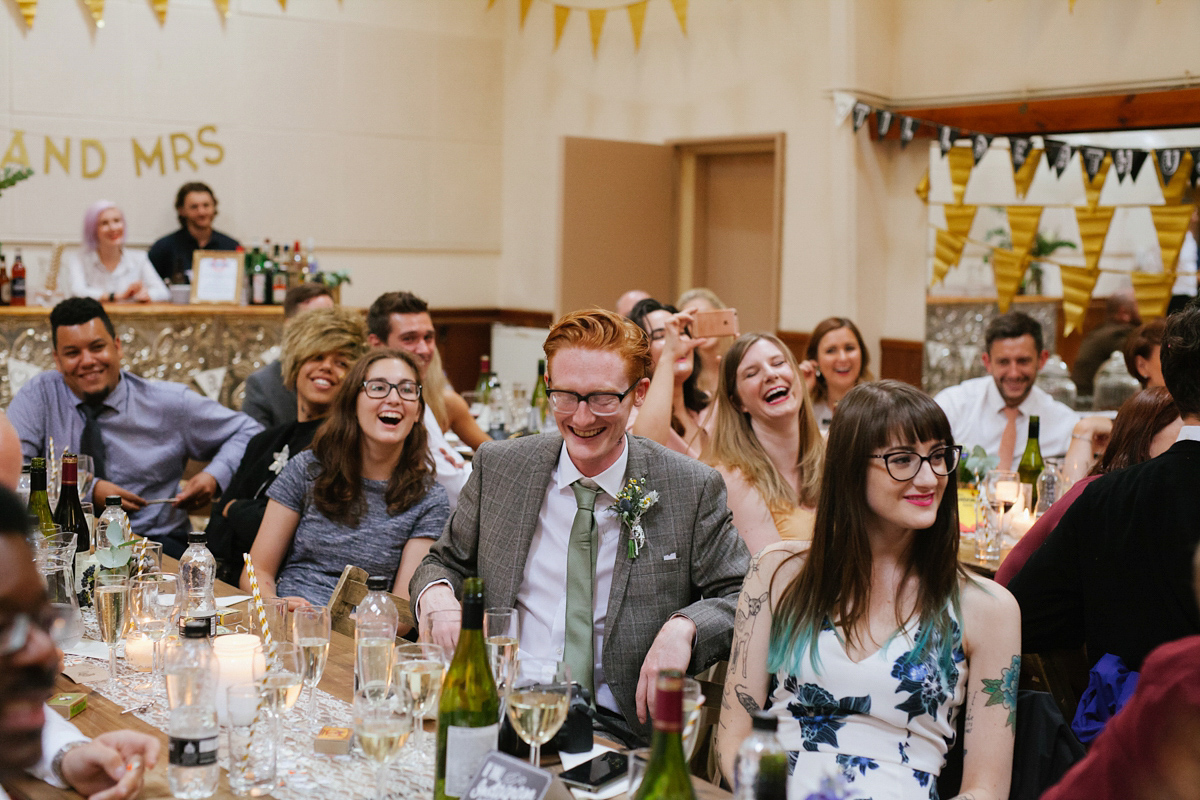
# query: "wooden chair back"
351,589
705,761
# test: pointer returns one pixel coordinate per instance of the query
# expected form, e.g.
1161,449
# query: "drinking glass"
502,635
146,558
284,677
373,665
447,622
1003,489
251,741
417,673
539,694
276,611
89,516
310,632
638,761
153,606
86,471
140,657
112,613
382,725
693,705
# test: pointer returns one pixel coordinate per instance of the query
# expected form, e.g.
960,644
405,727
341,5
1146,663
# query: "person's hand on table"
111,766
672,649
129,501
296,602
439,597
197,492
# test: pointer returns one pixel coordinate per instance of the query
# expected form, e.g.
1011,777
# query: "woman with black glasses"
364,494
867,645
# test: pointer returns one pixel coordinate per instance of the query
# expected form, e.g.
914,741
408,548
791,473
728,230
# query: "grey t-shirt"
321,548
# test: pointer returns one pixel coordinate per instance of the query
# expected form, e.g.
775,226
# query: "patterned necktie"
581,578
90,443
1008,439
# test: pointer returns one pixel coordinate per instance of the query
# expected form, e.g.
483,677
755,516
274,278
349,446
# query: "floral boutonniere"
281,459
632,502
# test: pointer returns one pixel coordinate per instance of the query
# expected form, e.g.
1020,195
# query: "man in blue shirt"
140,433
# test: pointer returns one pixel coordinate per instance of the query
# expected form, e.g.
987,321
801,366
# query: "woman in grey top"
364,494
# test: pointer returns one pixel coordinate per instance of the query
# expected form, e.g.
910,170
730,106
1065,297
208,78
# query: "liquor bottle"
268,271
39,499
310,257
18,280
284,264
539,402
376,618
487,389
1031,465
258,279
760,771
191,677
197,568
469,709
667,773
5,285
69,513
298,263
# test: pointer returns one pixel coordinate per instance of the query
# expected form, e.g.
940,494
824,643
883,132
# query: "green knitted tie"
581,578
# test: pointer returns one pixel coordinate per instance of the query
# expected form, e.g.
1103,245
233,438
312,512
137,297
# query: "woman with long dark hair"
868,644
364,494
836,361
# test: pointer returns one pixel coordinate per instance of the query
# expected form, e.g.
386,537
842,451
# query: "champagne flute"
417,673
382,725
501,634
539,694
284,678
310,632
373,665
112,613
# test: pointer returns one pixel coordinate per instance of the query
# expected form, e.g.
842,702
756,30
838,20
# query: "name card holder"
502,777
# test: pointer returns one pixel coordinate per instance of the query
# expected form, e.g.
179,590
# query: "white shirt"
1189,433
87,277
976,413
452,471
1185,270
56,734
542,598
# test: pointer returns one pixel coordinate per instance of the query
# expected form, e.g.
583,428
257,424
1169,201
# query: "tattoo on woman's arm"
744,623
1003,690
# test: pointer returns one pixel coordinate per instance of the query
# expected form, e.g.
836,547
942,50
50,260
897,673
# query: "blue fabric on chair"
1110,685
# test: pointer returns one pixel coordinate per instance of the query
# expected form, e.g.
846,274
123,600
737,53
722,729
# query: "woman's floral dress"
882,725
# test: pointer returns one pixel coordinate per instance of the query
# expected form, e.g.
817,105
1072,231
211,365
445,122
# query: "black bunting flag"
946,137
1093,159
1019,148
1122,162
1168,162
1058,155
859,115
883,122
908,129
980,143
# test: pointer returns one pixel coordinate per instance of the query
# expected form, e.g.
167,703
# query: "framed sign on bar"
216,277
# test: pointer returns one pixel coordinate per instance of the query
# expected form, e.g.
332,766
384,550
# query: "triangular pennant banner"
1093,228
223,7
980,143
1170,223
1059,155
959,219
843,102
1093,182
1168,163
283,4
1077,283
1152,292
1122,162
1093,157
1023,226
961,162
1135,166
561,15
19,373
923,187
96,8
1019,148
908,129
525,4
859,115
490,4
1195,151
596,26
637,18
681,9
210,381
946,254
946,137
1023,177
1182,173
28,11
1008,268
883,122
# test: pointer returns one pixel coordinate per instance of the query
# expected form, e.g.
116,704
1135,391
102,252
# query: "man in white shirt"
664,600
993,411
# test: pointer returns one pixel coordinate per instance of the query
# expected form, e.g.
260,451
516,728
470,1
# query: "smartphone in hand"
720,322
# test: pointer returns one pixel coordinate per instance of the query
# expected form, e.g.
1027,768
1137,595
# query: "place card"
332,741
502,777
86,672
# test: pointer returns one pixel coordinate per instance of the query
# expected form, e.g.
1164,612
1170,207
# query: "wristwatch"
112,297
56,762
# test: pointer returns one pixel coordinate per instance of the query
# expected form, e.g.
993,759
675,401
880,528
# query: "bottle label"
18,287
192,752
258,291
469,746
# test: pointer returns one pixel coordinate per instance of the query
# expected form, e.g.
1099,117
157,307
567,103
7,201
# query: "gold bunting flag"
28,10
637,17
1023,224
223,7
1093,227
96,8
961,162
160,10
1093,186
1077,283
1173,190
490,4
525,4
561,15
596,24
283,4
681,9
947,252
1152,292
1008,267
1023,178
959,219
1170,223
922,189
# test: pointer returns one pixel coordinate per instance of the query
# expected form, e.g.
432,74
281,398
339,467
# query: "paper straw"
139,552
261,609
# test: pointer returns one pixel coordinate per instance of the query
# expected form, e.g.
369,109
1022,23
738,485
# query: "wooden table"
104,715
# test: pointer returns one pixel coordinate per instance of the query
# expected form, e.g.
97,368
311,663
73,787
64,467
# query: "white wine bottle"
469,710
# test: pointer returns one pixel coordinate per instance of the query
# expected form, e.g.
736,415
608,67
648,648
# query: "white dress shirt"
452,470
1189,433
976,413
87,277
56,734
542,599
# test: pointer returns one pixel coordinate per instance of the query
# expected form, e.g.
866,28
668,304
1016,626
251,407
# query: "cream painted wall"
373,126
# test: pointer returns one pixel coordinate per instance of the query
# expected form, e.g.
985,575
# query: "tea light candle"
1020,523
139,652
1007,491
240,658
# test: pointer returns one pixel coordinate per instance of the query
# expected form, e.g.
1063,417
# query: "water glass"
638,761
251,741
146,558
276,613
693,706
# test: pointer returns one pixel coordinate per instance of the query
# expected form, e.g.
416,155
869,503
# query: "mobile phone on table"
721,322
599,772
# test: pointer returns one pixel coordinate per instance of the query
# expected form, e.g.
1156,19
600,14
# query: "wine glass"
693,702
284,677
539,693
373,665
502,636
112,613
86,471
310,632
153,604
1003,489
382,725
417,673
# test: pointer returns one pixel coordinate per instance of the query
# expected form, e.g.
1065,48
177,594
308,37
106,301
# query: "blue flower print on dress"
821,715
849,764
923,680
904,752
923,778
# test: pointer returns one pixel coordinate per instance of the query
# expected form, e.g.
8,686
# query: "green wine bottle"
667,773
539,403
39,500
1031,465
469,709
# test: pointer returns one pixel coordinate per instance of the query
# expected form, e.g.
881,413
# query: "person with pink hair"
104,269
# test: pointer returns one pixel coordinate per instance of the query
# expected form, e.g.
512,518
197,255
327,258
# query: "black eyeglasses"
602,404
377,389
905,466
